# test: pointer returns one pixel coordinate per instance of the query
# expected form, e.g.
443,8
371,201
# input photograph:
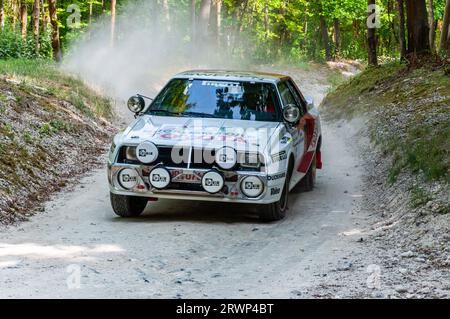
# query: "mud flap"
319,164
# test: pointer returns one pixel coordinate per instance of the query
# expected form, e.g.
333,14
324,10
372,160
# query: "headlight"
213,182
226,157
136,104
130,153
147,152
252,186
128,178
159,177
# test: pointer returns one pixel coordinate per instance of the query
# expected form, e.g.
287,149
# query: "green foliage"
12,46
27,137
53,127
419,197
265,30
7,130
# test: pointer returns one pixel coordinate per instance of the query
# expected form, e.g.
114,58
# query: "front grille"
195,161
165,158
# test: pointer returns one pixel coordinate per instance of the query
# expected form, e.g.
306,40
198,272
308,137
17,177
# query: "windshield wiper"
199,114
164,112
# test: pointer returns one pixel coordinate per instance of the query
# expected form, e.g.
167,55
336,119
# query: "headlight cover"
128,178
213,182
252,186
226,157
160,177
147,152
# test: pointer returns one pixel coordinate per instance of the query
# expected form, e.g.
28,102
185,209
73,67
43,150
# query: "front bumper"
231,192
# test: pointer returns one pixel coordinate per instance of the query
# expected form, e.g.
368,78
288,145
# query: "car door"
288,96
309,125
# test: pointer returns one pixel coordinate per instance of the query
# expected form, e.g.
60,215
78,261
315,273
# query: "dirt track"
194,249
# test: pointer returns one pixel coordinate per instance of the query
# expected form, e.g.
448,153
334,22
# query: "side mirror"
291,114
136,104
309,103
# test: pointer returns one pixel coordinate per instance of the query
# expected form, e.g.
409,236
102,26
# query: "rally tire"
128,206
308,182
277,211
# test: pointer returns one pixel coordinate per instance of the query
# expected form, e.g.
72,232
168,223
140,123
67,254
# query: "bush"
12,45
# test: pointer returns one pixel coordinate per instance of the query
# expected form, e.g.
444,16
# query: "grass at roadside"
45,75
52,127
409,120
409,112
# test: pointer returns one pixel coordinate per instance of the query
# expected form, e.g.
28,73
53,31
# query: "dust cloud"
149,48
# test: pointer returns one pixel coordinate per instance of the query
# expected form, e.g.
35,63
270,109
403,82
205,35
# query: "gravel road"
78,248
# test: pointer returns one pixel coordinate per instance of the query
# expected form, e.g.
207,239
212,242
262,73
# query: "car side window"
286,95
299,99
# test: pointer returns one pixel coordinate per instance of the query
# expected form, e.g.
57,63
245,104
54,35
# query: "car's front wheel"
277,211
128,206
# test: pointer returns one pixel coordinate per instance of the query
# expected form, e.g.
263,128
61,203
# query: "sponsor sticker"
275,191
281,156
276,177
186,177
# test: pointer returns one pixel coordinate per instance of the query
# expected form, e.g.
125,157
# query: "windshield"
247,101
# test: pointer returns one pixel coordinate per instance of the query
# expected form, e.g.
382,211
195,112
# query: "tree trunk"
205,11
418,30
215,21
325,38
23,19
2,16
36,24
166,15
355,27
45,17
266,20
14,14
337,34
113,22
402,31
445,39
193,21
91,11
372,41
219,19
56,43
432,23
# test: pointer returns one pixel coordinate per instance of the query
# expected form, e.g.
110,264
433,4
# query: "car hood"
200,132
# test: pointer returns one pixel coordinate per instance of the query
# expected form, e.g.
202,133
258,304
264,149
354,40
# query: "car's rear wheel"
308,182
128,206
277,211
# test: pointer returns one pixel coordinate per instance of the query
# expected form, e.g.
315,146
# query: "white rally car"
230,137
